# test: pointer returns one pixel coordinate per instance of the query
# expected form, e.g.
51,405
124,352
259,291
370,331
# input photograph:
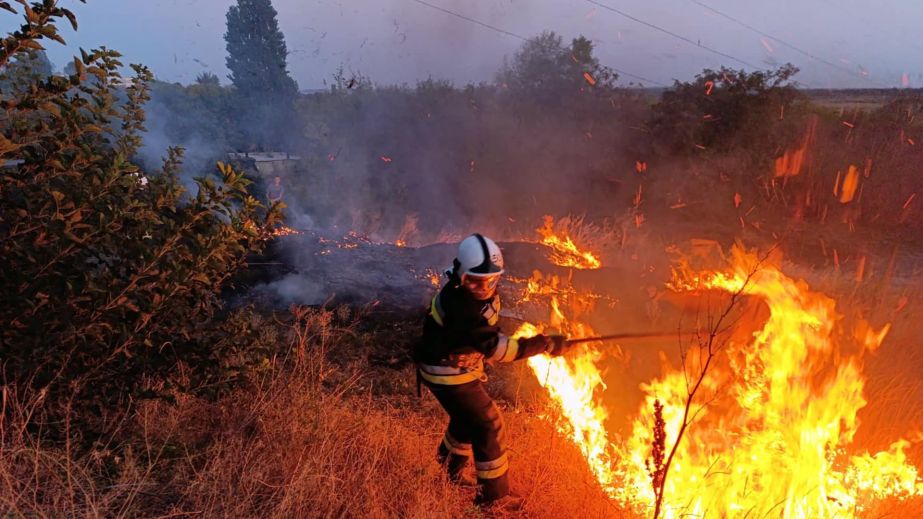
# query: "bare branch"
711,349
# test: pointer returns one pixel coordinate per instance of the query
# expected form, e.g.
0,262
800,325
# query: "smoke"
201,150
296,289
455,161
435,162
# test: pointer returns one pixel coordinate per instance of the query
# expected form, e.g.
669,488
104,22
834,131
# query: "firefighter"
460,334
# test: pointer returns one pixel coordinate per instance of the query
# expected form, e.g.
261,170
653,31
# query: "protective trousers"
475,427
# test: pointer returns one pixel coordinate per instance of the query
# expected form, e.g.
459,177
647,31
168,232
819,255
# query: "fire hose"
620,336
630,335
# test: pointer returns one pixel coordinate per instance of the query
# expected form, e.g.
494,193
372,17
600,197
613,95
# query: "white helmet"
479,255
479,265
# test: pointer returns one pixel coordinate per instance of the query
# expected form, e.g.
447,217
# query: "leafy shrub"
728,108
111,275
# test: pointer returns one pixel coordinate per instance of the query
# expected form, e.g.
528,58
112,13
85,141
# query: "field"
206,331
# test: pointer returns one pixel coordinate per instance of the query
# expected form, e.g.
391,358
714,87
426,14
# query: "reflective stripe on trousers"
475,418
492,469
456,447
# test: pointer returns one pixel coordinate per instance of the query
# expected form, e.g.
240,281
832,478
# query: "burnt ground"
398,282
392,286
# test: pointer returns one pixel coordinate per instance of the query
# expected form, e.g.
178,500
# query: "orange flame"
791,162
284,231
564,252
773,420
575,383
408,230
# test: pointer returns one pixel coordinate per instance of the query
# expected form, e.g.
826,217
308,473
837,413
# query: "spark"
767,46
850,184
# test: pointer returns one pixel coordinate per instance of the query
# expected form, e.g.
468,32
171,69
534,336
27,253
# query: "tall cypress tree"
257,61
256,49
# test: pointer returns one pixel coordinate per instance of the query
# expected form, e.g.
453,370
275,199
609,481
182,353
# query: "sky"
835,43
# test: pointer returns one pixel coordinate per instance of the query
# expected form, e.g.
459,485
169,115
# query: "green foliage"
544,70
257,61
494,158
25,69
208,79
111,274
203,110
728,108
256,50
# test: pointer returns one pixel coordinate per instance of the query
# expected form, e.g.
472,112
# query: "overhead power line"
472,20
671,33
640,78
783,42
523,38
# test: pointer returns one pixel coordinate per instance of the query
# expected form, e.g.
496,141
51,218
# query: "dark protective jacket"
461,333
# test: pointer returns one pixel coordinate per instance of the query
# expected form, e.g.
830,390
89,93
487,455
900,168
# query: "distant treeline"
554,133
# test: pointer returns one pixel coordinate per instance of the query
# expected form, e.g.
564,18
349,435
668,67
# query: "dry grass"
313,439
330,434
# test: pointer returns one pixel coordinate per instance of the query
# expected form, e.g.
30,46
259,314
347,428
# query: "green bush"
727,109
111,275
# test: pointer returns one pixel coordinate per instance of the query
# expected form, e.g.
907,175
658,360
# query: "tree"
257,61
256,50
728,108
111,275
547,71
23,70
207,79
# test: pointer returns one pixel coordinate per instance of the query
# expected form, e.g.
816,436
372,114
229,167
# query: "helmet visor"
481,286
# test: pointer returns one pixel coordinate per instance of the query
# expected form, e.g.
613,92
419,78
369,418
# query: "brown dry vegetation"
328,426
850,100
334,430
322,436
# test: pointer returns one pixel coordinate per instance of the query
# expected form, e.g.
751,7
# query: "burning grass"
574,242
332,431
760,418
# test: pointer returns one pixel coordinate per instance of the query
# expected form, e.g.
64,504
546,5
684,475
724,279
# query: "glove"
529,346
557,345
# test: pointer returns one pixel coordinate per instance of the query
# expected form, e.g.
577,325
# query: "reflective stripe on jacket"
450,375
471,365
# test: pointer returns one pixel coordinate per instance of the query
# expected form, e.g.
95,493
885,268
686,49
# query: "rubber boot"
455,465
494,492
